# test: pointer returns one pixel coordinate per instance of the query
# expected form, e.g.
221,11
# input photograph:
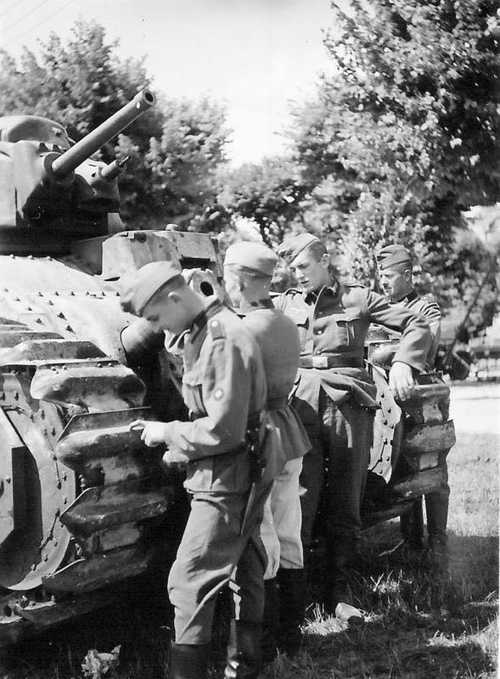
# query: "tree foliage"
269,193
403,136
175,148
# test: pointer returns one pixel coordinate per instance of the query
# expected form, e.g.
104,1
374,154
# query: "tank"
84,505
410,441
81,498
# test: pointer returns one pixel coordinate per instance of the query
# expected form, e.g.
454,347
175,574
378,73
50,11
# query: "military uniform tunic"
335,396
428,308
278,340
436,503
224,386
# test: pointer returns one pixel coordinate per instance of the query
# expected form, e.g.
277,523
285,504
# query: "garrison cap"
140,286
255,256
390,255
294,245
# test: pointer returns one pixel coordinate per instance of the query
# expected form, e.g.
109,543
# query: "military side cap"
294,245
390,255
140,286
254,256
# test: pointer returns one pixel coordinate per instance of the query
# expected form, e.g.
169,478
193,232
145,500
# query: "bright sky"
255,55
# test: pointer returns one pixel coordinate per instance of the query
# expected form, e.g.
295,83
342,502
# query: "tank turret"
52,192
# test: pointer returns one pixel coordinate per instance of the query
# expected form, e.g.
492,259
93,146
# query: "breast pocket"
192,392
301,319
343,331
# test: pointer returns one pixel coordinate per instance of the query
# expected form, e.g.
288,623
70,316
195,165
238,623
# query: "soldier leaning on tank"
395,274
335,398
248,270
224,388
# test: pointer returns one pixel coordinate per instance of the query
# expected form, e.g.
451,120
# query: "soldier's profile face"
166,312
395,282
311,273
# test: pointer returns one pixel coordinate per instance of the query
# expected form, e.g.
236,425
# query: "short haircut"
317,249
249,273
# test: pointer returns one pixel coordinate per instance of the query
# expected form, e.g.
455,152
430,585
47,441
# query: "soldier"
224,389
395,272
335,397
248,270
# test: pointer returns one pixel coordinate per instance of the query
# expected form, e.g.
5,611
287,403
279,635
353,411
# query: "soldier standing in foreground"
395,272
335,397
224,388
248,270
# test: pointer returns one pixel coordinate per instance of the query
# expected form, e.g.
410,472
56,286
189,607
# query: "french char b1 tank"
79,494
81,499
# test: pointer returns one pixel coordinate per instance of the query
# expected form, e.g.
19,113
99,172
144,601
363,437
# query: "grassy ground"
420,624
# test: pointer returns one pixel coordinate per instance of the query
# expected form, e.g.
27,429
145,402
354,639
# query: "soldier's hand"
401,380
152,433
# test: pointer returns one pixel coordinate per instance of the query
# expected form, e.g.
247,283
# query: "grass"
420,624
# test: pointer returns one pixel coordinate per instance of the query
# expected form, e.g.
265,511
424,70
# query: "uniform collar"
412,295
325,291
201,320
253,306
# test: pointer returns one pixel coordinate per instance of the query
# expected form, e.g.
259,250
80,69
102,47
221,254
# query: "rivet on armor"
40,293
38,320
61,315
69,328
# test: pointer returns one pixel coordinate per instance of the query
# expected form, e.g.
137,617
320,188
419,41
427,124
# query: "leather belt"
277,403
324,361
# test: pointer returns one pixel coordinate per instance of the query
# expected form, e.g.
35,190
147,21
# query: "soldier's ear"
324,260
174,297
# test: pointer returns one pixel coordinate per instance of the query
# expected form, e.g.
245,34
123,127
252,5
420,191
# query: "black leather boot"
244,655
342,554
271,621
188,661
412,526
292,594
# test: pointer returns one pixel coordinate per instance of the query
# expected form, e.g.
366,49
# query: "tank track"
78,490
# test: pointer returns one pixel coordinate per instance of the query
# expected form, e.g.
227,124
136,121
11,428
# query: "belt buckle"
320,361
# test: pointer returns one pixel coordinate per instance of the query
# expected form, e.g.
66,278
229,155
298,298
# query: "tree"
175,148
403,137
269,193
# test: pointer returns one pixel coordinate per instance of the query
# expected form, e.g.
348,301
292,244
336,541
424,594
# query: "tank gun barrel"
75,156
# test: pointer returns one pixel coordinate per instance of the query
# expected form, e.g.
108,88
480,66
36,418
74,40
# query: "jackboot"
292,593
342,553
271,620
412,526
244,654
188,661
436,505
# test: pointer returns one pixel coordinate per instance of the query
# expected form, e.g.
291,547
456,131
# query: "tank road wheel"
78,490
